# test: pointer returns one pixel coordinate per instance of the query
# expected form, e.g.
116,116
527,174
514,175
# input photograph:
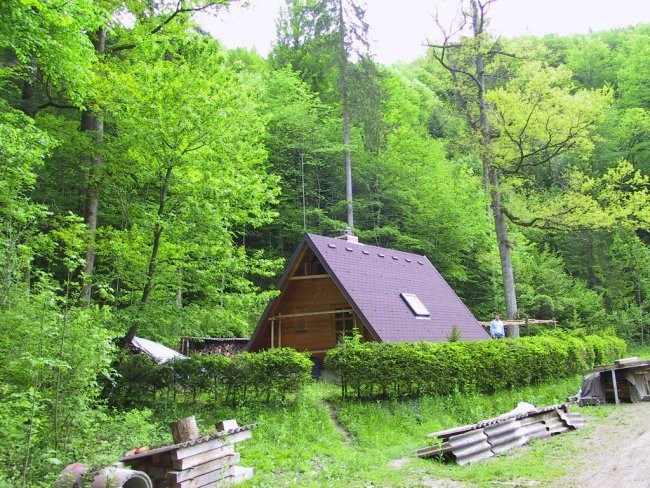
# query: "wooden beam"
521,322
309,277
209,466
308,314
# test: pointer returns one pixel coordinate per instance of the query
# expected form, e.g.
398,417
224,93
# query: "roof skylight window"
416,306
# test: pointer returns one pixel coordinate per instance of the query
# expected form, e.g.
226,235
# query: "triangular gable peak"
332,285
311,313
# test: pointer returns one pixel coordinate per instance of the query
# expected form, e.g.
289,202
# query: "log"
184,430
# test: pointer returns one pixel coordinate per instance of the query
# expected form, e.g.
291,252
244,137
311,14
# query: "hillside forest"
154,183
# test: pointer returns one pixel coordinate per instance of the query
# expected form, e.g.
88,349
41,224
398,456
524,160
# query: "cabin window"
416,306
343,324
301,320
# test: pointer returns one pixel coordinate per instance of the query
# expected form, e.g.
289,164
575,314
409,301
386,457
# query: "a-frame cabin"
332,286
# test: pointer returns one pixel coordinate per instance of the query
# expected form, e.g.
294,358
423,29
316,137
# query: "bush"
399,369
262,376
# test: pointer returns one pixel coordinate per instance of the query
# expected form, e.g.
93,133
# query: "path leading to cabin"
613,451
333,413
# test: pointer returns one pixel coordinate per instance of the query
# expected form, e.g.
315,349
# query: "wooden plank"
208,479
201,469
619,362
453,431
239,474
308,277
310,314
204,457
615,387
198,448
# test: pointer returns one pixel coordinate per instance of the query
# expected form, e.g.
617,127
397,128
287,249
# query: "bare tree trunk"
491,176
507,272
27,99
92,122
346,122
153,260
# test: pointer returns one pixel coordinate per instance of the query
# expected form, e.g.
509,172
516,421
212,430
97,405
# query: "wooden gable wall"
304,315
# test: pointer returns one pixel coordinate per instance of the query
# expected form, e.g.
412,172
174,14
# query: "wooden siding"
308,332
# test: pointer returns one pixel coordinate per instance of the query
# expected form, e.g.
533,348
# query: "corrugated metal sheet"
505,436
472,443
470,447
199,440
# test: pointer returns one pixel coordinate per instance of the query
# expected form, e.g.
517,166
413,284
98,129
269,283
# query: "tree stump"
184,430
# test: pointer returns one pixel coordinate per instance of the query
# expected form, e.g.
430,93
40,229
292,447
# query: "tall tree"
332,30
195,133
527,116
467,60
152,19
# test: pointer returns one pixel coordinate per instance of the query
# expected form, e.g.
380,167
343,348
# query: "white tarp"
161,354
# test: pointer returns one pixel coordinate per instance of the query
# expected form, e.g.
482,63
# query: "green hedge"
260,376
398,369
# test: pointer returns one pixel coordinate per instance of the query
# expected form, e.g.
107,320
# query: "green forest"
154,183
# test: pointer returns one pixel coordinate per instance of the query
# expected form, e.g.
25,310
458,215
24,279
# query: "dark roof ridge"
386,250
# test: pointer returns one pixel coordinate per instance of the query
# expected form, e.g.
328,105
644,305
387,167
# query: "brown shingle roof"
373,278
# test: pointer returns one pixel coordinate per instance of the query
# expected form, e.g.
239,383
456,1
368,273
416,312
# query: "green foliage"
52,360
397,370
546,291
324,441
51,45
195,145
265,376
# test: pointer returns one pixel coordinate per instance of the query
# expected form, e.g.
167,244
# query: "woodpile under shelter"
334,286
226,346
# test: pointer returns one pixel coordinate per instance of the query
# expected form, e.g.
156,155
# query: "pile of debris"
471,443
194,460
627,380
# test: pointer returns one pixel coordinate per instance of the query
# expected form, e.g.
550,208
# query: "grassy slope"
301,445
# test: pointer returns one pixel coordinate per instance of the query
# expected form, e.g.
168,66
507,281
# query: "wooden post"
272,328
527,327
615,387
184,429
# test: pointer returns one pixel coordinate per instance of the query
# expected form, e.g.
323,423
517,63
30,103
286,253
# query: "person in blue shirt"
497,330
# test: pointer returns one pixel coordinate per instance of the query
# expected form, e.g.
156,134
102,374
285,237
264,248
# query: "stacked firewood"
193,460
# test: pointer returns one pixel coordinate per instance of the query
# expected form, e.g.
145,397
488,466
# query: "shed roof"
160,354
373,279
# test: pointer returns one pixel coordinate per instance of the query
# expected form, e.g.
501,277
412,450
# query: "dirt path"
615,453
